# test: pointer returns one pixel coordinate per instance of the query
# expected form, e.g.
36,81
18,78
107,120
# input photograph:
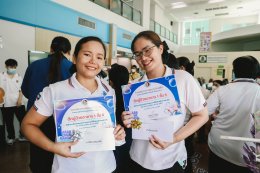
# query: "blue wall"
122,41
49,15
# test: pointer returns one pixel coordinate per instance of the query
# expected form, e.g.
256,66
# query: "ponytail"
59,46
185,62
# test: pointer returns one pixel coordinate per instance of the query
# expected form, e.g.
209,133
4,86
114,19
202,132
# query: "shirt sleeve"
1,80
26,82
20,80
195,100
213,102
44,102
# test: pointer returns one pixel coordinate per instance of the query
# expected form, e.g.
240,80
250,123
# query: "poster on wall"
205,42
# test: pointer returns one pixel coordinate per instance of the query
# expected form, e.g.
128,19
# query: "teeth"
91,68
147,63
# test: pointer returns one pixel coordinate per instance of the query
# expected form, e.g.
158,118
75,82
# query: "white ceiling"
196,9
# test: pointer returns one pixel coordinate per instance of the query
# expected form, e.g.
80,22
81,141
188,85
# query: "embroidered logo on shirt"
104,93
38,97
35,107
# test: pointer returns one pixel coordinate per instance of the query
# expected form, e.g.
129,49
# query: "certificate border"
59,113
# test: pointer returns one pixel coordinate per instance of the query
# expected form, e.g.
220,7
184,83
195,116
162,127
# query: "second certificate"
153,103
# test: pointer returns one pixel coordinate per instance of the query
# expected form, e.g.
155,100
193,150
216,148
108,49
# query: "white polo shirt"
94,162
237,101
11,86
149,157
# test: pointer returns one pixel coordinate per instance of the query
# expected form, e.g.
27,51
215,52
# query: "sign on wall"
212,59
205,42
202,58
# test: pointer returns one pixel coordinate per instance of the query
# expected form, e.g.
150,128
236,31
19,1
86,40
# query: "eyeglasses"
145,52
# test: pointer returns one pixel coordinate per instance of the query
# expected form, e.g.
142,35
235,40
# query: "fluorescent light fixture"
215,1
178,5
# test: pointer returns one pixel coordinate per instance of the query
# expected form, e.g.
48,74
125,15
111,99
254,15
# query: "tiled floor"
15,158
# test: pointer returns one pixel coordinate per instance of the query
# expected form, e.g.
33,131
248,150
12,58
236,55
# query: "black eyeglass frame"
138,55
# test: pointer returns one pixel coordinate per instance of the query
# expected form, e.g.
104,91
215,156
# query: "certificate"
88,120
153,104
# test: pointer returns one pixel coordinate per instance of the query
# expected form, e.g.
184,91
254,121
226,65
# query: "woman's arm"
30,128
197,120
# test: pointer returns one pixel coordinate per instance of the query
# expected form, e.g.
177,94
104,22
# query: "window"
152,25
192,31
127,11
116,6
137,16
157,28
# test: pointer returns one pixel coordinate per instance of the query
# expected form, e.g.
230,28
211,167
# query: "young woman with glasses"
156,155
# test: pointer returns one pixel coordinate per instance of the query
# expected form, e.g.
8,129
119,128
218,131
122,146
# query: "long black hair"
119,75
59,46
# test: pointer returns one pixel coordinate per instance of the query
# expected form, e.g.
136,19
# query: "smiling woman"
89,56
156,155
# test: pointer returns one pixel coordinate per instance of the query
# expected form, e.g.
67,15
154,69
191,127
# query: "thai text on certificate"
84,120
153,104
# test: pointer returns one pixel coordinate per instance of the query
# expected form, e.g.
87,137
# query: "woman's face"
90,59
150,55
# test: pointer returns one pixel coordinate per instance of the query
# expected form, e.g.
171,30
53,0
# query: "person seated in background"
134,73
10,82
235,102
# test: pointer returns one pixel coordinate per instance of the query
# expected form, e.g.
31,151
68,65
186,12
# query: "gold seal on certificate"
153,104
91,121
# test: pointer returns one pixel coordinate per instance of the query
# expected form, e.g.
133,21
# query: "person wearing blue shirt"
56,67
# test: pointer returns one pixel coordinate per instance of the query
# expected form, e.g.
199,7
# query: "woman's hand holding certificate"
119,133
128,118
90,121
64,149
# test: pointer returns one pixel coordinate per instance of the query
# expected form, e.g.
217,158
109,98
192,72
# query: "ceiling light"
215,1
178,5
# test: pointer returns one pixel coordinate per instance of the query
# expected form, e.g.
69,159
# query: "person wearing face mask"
11,82
134,73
